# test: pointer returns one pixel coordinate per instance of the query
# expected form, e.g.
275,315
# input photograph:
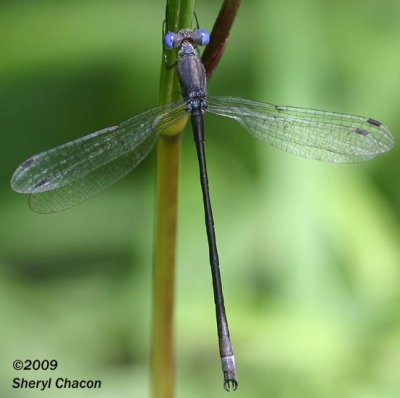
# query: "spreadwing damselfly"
65,176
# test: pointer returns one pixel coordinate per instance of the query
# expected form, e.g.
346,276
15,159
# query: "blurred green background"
309,251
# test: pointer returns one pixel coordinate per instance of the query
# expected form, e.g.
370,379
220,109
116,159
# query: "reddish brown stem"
219,35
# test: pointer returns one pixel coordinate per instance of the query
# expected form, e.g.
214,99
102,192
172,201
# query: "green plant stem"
168,153
179,15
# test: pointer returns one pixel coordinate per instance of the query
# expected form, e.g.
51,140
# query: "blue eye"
169,39
205,37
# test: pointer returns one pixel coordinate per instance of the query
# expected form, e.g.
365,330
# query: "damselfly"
67,175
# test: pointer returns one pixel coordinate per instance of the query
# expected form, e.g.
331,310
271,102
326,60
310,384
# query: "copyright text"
59,383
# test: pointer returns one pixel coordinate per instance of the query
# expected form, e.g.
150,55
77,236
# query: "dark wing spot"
361,131
374,122
279,108
27,163
41,183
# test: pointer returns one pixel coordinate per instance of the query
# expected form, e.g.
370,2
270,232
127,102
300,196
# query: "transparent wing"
327,136
65,176
81,189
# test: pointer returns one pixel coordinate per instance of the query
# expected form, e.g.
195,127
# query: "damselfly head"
199,37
